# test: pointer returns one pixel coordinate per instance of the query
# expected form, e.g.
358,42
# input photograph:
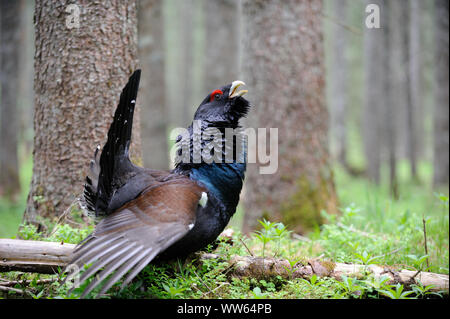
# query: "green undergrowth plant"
213,278
351,237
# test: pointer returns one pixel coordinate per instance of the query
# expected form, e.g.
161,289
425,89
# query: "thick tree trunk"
221,60
10,13
80,71
284,71
154,109
338,85
441,93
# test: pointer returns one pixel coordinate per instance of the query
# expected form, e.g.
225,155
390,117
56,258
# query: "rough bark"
152,59
374,97
284,71
79,74
47,257
221,60
338,85
441,95
10,13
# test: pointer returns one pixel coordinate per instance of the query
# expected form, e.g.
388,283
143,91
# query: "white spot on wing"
133,101
203,200
191,226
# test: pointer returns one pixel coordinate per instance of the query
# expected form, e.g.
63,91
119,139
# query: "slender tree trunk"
25,86
338,84
183,26
173,47
10,13
186,70
374,96
409,106
395,85
415,82
152,58
284,71
221,60
441,92
80,71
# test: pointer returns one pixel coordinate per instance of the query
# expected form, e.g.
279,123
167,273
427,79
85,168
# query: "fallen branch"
33,256
7,289
257,267
27,282
47,257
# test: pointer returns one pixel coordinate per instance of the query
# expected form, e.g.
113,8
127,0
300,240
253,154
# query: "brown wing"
128,239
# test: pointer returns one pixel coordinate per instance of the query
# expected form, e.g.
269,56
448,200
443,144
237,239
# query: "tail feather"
90,187
108,169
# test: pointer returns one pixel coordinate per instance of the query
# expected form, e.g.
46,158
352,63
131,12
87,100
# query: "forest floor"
372,229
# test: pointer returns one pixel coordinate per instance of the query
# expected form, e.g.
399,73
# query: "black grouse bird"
150,214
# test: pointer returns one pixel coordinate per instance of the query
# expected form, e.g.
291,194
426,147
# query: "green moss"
329,265
302,210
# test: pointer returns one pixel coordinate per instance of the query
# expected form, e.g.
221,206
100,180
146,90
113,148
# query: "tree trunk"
441,88
338,84
10,13
374,97
80,71
25,86
284,70
221,60
415,82
409,107
395,85
152,58
183,26
186,60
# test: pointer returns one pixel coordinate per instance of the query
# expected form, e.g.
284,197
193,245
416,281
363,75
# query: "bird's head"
208,153
223,107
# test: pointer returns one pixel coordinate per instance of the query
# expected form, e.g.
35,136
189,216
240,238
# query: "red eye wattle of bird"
213,94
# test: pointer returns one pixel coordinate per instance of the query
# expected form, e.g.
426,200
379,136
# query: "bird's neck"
223,180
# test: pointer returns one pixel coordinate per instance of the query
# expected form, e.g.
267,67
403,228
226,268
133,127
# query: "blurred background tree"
441,104
9,78
284,67
154,121
385,90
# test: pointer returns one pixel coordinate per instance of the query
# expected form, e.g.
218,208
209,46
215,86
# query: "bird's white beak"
233,90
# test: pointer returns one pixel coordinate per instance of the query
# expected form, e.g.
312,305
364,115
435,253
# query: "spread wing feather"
132,236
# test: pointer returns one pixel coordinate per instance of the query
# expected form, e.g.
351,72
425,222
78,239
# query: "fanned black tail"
111,170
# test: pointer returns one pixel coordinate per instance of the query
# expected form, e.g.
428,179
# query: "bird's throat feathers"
220,167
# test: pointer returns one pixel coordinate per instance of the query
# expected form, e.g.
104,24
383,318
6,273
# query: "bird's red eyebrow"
214,93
